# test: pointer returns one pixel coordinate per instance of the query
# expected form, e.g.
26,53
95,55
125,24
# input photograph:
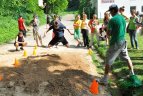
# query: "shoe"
137,48
78,45
103,81
21,48
17,49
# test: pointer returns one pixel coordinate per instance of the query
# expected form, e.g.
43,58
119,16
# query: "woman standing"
105,24
93,26
132,27
77,30
84,31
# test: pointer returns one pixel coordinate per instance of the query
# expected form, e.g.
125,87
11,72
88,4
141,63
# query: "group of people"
84,26
20,39
114,28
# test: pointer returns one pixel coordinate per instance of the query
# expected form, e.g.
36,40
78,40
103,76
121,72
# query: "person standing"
84,30
132,27
21,25
35,24
93,23
117,45
121,10
77,30
105,24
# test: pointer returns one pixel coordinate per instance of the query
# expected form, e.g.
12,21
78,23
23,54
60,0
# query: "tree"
86,7
55,6
73,4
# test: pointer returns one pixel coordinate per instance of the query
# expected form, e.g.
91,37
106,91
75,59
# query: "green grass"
9,26
8,29
120,68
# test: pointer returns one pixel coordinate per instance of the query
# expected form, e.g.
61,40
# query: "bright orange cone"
16,63
1,77
94,87
25,53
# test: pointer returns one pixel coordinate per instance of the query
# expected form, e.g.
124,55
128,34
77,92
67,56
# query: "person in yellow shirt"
77,30
84,31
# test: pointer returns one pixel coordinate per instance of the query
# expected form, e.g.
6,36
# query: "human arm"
70,32
16,39
51,27
89,24
24,25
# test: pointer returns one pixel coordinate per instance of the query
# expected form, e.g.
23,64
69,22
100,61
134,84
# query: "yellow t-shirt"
77,24
84,24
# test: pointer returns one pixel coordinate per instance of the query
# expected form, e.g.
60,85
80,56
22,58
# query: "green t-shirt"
132,23
117,26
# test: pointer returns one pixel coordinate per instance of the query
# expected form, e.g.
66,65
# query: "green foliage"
56,6
73,5
9,12
8,29
120,68
85,6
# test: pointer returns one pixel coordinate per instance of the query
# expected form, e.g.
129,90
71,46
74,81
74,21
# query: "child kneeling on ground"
58,29
20,41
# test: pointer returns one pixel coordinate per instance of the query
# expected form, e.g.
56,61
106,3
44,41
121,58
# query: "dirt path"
53,72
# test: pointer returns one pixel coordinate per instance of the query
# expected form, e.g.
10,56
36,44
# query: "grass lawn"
120,68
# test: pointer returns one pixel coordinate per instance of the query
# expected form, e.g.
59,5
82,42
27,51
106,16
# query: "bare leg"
40,39
16,45
130,65
49,46
67,45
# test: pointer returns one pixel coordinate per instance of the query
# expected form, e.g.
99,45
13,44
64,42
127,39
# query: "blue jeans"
133,38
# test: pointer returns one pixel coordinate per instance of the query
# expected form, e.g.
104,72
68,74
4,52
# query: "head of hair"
113,9
20,33
133,11
20,15
122,8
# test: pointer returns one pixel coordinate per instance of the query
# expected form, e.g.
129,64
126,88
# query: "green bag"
135,81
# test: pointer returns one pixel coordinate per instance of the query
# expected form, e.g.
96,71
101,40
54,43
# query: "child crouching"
20,41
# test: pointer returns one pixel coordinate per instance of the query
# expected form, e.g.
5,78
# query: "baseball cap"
113,6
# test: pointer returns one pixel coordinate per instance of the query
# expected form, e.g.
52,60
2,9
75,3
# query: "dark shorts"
24,32
57,39
18,44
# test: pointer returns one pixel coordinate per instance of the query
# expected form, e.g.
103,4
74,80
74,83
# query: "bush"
8,29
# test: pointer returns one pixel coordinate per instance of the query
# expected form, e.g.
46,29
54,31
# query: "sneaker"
103,81
21,48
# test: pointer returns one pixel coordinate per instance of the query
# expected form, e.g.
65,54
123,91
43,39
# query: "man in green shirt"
118,47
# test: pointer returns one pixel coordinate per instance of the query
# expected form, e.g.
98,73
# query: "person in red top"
21,25
93,23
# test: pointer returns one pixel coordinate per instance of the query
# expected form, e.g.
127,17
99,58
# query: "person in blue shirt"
58,29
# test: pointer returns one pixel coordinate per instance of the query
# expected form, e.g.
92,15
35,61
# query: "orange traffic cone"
94,87
1,77
16,63
25,53
34,52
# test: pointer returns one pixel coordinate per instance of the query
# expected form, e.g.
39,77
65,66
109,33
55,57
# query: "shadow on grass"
48,70
136,58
